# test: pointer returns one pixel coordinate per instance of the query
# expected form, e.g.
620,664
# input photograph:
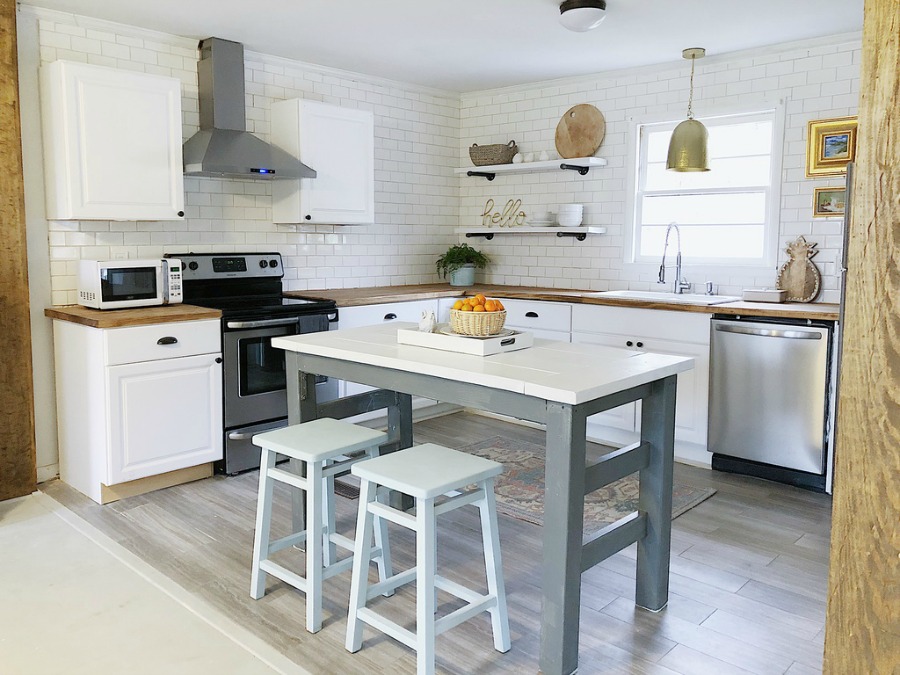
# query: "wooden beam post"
863,621
18,472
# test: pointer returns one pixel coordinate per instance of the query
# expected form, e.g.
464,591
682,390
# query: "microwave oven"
118,284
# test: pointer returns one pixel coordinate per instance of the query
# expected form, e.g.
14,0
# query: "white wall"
815,79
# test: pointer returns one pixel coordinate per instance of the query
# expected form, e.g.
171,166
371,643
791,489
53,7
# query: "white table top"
550,370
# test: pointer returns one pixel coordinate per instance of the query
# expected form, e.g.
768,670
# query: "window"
727,215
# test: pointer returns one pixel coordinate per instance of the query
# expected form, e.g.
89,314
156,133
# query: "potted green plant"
459,262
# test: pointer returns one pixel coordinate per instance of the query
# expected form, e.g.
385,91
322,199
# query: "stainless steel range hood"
223,146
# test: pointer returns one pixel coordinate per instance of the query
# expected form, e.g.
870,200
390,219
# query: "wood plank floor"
749,576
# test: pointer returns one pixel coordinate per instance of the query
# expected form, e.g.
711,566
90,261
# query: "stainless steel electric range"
247,288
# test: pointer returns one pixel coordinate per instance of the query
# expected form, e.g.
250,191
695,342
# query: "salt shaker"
426,323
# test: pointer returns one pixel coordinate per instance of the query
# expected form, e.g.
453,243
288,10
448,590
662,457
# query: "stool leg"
426,563
362,556
263,524
314,552
382,541
487,507
330,552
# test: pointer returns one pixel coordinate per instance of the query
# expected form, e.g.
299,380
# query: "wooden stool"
323,446
426,472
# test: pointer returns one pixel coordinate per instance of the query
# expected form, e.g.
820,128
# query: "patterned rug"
520,488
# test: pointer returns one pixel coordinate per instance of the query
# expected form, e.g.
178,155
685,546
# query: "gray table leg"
400,426
301,405
657,428
562,539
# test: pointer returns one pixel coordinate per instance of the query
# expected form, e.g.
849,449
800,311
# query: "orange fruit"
478,308
458,304
480,298
490,306
499,305
466,308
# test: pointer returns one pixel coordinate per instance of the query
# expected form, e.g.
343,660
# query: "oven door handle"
261,324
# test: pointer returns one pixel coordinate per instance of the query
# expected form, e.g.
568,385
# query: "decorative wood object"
799,276
18,472
861,632
580,131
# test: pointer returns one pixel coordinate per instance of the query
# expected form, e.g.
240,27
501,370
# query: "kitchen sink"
661,296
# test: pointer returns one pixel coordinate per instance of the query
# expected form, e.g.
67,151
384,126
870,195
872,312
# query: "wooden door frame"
18,470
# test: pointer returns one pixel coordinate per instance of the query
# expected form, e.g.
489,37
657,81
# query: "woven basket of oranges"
478,316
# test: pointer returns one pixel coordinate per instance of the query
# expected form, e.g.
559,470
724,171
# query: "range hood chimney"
223,146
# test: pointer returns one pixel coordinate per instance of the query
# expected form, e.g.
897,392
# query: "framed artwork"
829,202
830,146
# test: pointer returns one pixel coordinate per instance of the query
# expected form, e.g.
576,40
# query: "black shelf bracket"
580,236
486,235
483,174
582,170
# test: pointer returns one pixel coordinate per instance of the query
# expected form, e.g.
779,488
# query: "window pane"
723,173
658,143
733,241
704,209
736,140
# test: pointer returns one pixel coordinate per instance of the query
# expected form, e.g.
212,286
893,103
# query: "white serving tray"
478,346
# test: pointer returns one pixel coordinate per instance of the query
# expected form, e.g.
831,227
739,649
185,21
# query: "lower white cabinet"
549,320
371,315
123,419
661,332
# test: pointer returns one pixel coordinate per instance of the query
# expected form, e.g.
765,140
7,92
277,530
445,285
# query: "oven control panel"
204,266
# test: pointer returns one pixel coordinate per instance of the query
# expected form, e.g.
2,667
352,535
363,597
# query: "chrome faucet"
681,285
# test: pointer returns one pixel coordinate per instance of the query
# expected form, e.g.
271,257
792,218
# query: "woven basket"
484,155
477,323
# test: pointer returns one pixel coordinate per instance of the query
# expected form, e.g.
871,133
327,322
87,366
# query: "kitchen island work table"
555,383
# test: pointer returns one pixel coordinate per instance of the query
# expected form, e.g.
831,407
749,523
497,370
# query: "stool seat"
319,439
426,471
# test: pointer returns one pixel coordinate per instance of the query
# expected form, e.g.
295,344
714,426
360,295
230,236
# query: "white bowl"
571,208
569,221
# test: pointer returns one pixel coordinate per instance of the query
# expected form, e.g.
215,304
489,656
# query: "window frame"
637,164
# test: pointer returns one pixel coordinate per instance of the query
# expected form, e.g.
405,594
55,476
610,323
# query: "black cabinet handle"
640,344
181,214
168,340
629,343
390,317
531,315
218,359
309,217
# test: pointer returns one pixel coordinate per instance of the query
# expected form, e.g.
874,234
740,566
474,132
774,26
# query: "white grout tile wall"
416,193
422,134
816,80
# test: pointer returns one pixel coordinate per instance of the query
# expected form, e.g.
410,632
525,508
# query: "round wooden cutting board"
580,131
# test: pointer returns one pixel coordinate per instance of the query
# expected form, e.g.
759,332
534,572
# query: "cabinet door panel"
115,151
164,415
622,417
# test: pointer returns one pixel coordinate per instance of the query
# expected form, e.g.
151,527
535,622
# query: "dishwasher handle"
769,332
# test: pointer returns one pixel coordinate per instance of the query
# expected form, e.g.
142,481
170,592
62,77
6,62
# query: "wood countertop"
355,297
121,318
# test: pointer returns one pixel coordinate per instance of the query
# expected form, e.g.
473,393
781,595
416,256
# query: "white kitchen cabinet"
370,315
112,144
549,320
339,143
126,418
662,332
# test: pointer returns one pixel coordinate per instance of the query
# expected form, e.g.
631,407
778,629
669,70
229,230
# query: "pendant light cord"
690,112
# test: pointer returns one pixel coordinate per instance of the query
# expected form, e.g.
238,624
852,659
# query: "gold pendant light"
687,147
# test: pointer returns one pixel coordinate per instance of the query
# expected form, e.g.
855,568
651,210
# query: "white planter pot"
464,276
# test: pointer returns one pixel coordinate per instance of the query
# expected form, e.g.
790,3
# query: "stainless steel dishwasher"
768,399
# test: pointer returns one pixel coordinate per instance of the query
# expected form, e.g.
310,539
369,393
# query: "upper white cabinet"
112,144
339,143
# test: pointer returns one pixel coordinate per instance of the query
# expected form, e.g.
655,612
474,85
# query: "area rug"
520,488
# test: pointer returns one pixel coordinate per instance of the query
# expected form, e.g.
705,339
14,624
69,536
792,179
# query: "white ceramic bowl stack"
570,215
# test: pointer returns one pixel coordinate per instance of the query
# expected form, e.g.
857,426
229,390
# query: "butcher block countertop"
120,318
353,297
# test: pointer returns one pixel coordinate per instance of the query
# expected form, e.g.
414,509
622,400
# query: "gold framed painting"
829,202
830,146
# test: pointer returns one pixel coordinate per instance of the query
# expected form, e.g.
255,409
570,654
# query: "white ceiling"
467,45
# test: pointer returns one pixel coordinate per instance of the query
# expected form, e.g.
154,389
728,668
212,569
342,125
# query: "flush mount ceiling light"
687,147
582,15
